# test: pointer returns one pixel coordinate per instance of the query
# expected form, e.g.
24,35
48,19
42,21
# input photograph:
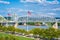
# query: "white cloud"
27,0
18,10
56,9
53,14
32,0
52,2
49,14
41,1
43,15
4,2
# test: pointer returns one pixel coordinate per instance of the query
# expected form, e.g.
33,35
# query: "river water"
29,27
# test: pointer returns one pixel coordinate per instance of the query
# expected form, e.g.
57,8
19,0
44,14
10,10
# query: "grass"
4,36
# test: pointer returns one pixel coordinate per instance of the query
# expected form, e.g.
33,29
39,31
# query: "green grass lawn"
4,36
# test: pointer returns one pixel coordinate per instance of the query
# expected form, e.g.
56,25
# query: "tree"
50,33
12,29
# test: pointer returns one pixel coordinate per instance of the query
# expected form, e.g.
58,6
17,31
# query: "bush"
46,33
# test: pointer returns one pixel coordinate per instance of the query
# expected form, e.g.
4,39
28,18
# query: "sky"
36,7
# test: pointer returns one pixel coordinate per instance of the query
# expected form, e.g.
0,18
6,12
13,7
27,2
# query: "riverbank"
37,32
4,36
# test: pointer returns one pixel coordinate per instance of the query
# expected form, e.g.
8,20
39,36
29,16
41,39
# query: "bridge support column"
55,25
16,24
25,24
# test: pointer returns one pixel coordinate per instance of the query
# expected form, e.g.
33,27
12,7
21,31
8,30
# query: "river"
30,27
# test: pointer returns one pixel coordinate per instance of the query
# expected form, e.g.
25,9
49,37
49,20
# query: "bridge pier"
55,25
16,24
44,23
24,24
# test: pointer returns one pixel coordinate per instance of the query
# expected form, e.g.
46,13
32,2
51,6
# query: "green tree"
12,29
50,33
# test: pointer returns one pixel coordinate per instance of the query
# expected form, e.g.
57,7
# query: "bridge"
30,19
